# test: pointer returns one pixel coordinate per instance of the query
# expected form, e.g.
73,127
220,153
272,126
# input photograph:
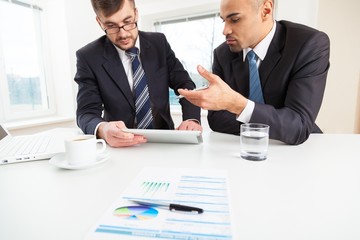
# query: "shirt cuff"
97,126
195,120
246,114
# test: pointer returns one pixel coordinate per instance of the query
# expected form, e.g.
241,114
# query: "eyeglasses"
126,27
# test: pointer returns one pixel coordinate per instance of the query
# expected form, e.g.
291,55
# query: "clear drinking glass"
254,141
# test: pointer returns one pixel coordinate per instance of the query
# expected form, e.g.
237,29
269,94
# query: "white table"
310,191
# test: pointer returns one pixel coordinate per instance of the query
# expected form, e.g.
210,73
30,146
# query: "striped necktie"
142,101
255,85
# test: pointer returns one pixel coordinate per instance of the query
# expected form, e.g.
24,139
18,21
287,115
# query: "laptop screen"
3,133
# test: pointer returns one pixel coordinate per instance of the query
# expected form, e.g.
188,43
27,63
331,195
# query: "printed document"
200,188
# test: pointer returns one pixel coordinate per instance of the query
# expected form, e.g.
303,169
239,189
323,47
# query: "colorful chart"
136,212
155,187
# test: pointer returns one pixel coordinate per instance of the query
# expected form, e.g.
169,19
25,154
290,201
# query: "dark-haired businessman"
292,61
106,101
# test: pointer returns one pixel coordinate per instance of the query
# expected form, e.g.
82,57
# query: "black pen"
170,206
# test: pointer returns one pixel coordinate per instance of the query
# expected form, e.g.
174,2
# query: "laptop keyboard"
26,145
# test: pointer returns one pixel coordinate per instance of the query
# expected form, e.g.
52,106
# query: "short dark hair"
108,7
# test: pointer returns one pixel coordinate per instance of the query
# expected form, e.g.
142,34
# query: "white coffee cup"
82,149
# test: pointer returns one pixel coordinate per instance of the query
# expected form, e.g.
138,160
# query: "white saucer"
59,160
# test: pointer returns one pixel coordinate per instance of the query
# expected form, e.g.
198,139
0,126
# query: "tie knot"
251,55
132,52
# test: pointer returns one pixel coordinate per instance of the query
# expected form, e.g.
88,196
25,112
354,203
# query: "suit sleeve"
89,102
294,122
222,121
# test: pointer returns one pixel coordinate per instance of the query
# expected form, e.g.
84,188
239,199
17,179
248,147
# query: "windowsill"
17,125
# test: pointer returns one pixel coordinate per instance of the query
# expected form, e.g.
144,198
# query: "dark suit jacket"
293,76
104,92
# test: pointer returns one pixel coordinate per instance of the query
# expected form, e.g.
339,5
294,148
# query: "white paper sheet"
206,189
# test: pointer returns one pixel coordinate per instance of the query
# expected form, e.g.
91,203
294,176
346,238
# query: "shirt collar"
263,46
122,52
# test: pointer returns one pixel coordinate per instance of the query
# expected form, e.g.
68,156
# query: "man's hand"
219,96
190,125
112,133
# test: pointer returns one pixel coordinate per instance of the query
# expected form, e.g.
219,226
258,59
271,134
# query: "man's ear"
136,14
267,9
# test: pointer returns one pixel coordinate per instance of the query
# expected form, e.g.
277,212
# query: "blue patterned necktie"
255,86
142,101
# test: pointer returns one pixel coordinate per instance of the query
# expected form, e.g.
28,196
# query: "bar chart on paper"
206,189
154,188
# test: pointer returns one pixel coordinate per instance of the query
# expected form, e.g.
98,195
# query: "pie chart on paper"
137,213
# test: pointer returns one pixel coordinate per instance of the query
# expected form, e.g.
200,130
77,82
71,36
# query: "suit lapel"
113,66
272,57
148,65
241,78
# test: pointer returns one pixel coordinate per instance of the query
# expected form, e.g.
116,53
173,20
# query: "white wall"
82,27
340,109
305,11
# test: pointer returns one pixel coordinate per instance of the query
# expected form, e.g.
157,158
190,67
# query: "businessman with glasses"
112,69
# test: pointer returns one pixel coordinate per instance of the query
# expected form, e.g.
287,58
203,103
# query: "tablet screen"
168,136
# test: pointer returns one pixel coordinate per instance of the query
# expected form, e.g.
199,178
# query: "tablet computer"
168,136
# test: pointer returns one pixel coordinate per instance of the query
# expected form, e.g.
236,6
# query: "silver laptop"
27,147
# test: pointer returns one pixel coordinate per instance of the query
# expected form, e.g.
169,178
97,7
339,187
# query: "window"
23,86
193,40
